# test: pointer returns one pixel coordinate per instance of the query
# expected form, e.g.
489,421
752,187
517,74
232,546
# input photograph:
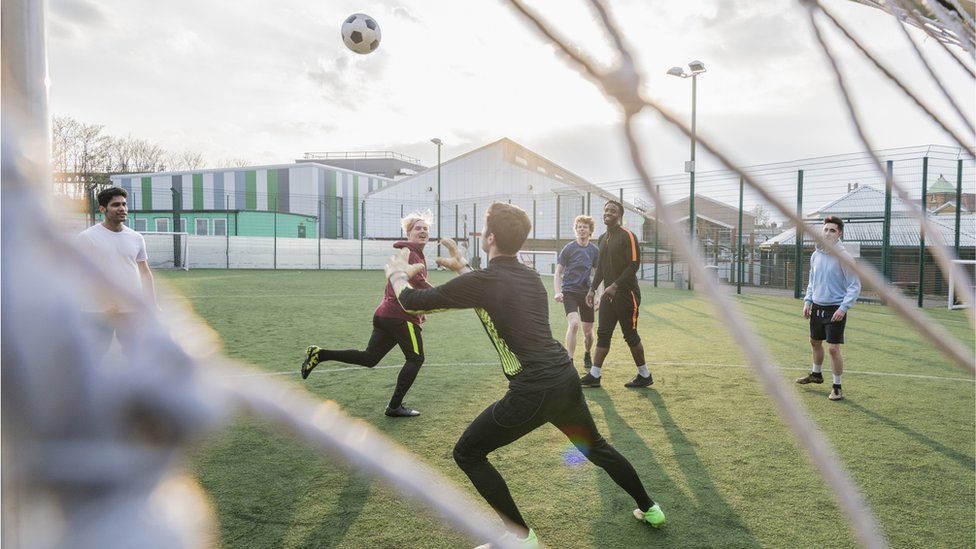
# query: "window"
220,227
141,225
182,225
202,226
162,225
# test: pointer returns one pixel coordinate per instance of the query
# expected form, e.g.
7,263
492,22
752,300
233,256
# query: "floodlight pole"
691,198
438,142
696,68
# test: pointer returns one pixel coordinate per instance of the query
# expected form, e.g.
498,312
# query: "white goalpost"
168,250
969,267
543,262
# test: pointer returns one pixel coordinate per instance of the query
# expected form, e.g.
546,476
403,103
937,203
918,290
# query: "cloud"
404,13
83,13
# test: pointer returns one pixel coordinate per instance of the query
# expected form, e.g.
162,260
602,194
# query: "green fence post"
886,227
534,224
657,240
227,227
738,246
798,257
474,229
958,202
322,229
362,232
921,231
557,220
276,237
177,206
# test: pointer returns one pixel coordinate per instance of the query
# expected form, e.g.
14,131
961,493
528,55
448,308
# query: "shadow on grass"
951,453
335,525
704,519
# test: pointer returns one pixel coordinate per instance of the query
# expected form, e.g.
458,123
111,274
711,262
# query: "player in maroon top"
391,325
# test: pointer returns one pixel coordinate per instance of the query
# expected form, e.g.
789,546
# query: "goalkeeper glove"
456,261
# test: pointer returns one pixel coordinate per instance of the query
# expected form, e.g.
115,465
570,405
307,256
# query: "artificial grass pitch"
705,439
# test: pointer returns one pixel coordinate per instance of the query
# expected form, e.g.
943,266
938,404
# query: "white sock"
837,379
643,371
595,371
817,368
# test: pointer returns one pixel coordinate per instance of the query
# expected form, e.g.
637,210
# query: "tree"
186,160
761,214
235,162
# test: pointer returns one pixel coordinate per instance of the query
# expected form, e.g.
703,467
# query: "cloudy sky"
268,81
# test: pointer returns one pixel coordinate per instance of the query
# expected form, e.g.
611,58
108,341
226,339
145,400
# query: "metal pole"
321,228
958,202
557,220
362,232
589,199
227,227
738,246
456,216
438,197
534,224
474,227
886,227
691,199
656,239
276,236
798,254
921,231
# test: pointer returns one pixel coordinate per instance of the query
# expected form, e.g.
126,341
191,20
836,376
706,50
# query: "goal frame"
184,247
951,305
530,261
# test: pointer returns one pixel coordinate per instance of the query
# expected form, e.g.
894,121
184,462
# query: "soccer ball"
361,33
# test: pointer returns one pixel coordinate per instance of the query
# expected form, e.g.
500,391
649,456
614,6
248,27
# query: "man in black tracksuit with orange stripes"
620,258
512,304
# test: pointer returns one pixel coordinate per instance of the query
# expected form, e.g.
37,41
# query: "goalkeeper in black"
543,386
620,258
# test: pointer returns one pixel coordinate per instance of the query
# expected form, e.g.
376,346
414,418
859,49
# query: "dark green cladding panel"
250,190
198,191
146,193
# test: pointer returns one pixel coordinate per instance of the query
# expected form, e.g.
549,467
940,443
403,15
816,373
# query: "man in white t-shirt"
122,254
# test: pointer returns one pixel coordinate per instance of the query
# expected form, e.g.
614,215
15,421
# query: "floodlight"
676,71
437,141
696,67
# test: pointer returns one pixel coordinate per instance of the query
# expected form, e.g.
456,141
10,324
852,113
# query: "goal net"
968,267
168,250
542,262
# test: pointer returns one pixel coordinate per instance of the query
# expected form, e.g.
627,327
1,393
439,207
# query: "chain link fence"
745,240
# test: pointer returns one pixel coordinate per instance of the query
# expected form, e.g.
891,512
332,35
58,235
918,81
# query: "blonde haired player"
392,325
576,263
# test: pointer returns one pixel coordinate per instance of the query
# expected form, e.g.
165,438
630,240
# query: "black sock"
836,386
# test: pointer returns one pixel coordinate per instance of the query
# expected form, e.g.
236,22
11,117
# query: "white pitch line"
706,364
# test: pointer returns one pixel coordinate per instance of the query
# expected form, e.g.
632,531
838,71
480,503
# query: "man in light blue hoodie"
832,290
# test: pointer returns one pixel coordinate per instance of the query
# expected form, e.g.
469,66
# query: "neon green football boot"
654,516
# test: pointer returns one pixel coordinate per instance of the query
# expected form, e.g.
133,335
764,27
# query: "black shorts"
622,309
576,302
821,327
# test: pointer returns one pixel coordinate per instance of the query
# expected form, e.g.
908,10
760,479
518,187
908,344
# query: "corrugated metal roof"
904,232
865,201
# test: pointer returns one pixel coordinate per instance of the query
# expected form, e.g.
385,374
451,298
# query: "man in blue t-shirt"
576,263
